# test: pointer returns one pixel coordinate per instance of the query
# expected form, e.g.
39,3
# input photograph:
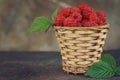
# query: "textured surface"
80,47
40,66
16,17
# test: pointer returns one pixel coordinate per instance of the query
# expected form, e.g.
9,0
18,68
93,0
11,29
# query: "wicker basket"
80,46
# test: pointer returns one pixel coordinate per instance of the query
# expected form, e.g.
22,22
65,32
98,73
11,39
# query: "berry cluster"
81,16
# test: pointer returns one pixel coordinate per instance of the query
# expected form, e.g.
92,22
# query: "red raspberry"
93,17
88,23
99,22
59,20
71,22
87,11
77,16
82,6
75,10
79,24
65,12
84,21
102,16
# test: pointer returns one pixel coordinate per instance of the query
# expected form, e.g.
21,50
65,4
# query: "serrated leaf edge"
103,76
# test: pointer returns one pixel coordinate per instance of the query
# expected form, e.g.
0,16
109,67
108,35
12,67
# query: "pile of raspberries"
81,16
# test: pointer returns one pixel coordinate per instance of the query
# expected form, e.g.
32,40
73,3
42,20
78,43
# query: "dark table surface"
40,66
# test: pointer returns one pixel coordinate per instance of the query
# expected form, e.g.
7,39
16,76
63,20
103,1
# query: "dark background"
16,17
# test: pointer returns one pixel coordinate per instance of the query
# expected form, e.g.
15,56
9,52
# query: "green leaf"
100,70
40,24
117,70
54,14
109,59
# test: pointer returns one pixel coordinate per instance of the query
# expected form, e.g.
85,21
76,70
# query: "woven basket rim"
105,26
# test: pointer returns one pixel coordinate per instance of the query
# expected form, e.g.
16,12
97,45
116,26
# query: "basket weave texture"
80,46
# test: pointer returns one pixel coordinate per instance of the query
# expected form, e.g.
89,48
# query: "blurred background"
16,17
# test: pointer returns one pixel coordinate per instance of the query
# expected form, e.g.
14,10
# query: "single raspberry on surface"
65,12
70,22
86,23
102,16
82,6
59,20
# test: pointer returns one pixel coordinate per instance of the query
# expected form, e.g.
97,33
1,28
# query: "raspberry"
93,17
59,20
75,10
99,22
65,12
82,6
102,16
70,22
77,16
84,21
79,24
88,23
87,11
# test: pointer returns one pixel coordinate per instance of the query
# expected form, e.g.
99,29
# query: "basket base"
75,70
